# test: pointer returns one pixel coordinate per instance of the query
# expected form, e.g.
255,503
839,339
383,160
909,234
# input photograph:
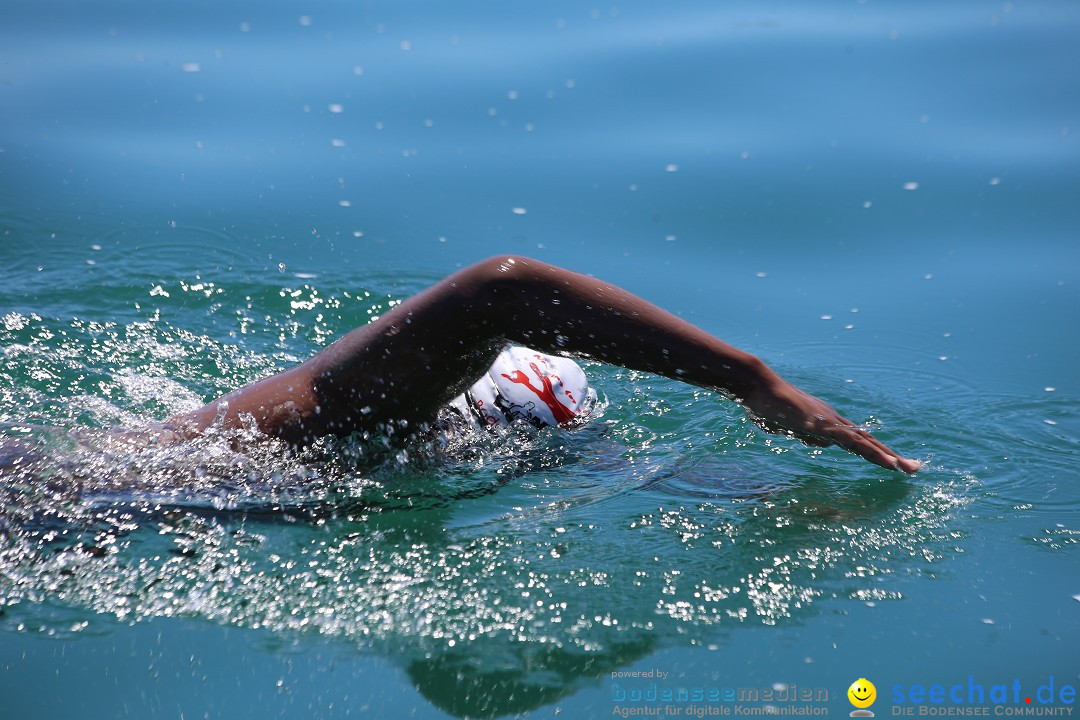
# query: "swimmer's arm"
283,406
562,311
416,357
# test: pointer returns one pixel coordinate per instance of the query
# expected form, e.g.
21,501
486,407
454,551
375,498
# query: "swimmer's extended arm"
416,357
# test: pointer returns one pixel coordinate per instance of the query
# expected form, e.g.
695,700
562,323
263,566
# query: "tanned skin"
412,360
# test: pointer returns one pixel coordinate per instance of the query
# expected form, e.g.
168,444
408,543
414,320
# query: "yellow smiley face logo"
862,693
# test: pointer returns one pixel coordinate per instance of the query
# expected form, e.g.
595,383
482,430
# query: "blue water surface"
876,198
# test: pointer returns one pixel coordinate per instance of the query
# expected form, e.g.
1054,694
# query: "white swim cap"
527,385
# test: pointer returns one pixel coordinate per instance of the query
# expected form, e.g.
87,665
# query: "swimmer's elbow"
482,279
500,268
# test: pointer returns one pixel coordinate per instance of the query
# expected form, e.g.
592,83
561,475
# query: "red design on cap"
546,394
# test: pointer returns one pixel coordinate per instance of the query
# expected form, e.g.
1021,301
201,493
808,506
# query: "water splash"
668,520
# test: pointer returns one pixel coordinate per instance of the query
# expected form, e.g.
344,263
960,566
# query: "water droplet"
336,108
519,211
911,186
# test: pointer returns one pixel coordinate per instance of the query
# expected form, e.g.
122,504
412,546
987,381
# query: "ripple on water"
1019,449
1029,466
140,250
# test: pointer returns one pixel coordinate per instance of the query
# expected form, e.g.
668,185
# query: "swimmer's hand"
777,406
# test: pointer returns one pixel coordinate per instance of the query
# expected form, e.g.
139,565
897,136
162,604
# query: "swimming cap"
524,384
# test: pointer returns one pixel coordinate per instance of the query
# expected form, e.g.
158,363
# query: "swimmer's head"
527,385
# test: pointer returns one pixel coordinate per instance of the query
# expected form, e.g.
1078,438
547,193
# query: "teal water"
876,198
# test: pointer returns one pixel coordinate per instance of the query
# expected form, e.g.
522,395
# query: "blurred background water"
877,198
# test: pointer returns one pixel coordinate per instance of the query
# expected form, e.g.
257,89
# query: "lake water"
877,198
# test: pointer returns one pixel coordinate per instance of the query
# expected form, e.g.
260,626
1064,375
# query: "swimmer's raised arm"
426,350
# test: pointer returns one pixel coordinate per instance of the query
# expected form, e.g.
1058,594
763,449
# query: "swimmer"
429,351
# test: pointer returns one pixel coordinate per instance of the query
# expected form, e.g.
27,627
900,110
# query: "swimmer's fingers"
779,407
834,428
858,441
